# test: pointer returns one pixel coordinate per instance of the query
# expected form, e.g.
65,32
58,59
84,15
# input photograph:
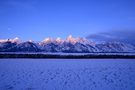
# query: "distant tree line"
64,56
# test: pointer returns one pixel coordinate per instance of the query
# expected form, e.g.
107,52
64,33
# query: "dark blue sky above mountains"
37,19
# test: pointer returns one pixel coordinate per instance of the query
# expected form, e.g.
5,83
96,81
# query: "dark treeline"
65,56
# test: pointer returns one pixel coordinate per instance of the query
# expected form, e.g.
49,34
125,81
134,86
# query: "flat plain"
67,74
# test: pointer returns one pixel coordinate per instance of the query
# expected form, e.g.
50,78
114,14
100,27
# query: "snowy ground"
77,74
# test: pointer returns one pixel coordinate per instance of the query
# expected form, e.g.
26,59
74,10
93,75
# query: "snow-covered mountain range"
69,45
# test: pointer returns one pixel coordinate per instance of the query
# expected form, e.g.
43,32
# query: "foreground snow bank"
54,74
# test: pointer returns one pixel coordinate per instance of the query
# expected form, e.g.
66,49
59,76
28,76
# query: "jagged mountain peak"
69,39
14,40
69,45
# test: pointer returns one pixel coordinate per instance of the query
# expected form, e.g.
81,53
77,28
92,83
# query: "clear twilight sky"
37,19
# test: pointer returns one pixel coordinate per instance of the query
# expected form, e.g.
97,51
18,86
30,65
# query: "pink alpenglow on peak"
56,40
3,40
59,40
15,40
47,40
68,45
30,40
71,39
78,40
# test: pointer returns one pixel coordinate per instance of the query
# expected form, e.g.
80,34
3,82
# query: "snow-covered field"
64,74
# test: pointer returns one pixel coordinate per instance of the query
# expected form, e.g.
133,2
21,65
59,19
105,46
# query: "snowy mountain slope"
115,47
49,47
22,47
70,45
4,46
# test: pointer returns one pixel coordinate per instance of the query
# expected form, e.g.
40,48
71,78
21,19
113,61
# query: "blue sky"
37,19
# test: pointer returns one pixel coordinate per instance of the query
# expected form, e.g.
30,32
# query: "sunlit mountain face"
68,39
10,40
68,45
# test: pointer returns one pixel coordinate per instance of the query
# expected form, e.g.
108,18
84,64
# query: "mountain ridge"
70,45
